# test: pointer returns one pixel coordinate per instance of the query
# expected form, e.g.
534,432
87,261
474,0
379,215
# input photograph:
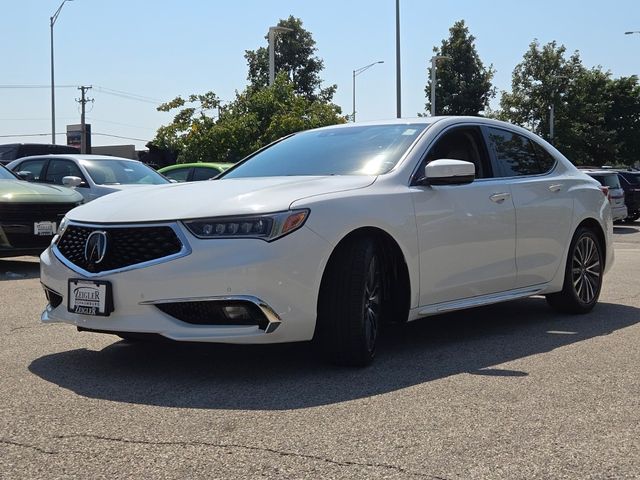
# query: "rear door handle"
499,197
555,187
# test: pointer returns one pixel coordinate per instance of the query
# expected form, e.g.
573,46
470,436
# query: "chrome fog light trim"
273,320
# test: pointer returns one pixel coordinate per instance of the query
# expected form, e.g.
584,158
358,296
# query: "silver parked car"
92,175
612,188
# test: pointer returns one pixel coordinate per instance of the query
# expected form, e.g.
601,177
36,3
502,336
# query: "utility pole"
83,126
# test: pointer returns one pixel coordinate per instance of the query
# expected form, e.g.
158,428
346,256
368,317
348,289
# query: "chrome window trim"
270,314
532,140
184,251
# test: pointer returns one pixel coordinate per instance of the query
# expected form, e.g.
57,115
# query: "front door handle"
555,187
499,197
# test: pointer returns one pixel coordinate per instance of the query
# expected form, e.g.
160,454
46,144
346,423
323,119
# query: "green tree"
295,53
463,84
597,118
541,79
255,118
187,133
623,117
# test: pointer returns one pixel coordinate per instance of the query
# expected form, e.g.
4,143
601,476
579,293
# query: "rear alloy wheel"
350,304
583,275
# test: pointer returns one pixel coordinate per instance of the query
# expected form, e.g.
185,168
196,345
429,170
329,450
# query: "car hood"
234,196
117,187
20,191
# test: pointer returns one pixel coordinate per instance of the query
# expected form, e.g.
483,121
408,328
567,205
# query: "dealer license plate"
90,297
44,228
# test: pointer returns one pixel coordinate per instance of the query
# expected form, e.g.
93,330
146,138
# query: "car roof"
76,156
598,171
215,165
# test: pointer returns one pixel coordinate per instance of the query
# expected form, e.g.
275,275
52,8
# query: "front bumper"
284,275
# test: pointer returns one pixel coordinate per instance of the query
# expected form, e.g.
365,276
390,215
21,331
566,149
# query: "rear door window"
545,159
514,153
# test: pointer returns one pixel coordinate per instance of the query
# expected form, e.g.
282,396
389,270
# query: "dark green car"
30,214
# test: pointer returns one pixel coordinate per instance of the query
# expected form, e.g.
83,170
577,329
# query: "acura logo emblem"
95,247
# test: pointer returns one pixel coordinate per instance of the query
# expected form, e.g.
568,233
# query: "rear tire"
350,303
582,275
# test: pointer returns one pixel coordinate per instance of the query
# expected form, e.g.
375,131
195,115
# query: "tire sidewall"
568,281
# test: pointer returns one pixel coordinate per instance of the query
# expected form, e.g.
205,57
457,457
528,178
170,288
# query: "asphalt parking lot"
510,391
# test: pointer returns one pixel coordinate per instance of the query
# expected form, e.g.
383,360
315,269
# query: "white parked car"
329,232
92,175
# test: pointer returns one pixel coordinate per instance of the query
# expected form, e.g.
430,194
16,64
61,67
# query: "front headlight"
60,231
265,227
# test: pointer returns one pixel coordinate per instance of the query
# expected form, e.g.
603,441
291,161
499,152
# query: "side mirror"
25,175
449,172
71,181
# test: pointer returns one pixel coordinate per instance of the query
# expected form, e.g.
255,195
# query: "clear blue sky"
159,49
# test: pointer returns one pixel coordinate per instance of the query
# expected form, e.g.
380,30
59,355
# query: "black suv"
630,183
11,151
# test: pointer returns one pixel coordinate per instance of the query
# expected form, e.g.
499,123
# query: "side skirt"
478,301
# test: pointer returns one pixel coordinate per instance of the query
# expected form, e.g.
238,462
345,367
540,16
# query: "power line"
118,123
108,91
119,136
31,135
3,119
64,133
128,94
36,86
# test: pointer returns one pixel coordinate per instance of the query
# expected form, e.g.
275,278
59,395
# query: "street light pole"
272,53
398,81
434,60
552,108
52,22
357,72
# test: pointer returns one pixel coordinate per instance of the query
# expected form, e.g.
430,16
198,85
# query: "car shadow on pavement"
281,377
11,269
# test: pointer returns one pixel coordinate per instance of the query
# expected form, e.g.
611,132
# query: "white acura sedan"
327,233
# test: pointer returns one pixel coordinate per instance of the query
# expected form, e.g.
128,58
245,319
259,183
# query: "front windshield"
106,171
6,174
353,150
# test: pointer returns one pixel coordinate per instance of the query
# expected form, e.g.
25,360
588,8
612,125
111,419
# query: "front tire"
583,275
350,304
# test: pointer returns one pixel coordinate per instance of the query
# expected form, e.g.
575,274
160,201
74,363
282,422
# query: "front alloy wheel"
351,303
372,288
